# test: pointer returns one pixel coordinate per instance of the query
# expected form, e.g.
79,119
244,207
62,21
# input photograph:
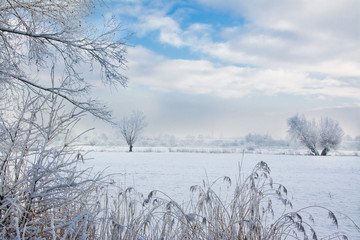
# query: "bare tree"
131,127
38,35
44,46
330,135
304,131
327,134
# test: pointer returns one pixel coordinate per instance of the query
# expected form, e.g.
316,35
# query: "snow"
332,182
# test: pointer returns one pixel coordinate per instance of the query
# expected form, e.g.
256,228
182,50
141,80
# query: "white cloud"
293,47
309,36
299,35
203,77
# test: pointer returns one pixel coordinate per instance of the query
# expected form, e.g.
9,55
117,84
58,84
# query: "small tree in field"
327,134
131,127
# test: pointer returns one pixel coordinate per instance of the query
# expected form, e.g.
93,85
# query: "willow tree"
326,133
45,46
132,126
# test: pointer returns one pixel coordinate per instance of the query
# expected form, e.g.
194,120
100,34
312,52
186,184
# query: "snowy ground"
332,182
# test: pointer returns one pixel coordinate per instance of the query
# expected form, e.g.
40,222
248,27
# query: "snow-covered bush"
43,194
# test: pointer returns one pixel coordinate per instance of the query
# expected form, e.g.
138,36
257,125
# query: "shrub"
43,194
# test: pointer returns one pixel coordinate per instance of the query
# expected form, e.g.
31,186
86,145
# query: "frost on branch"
45,48
42,192
38,36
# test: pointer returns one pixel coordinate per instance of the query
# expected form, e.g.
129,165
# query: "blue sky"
232,67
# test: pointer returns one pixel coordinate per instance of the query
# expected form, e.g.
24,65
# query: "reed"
248,214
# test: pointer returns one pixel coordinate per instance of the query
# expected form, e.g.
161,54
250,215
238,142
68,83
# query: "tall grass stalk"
249,214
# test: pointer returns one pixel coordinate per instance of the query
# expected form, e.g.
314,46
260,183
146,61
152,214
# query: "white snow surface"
332,182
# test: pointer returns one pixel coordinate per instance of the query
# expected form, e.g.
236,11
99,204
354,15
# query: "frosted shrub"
42,193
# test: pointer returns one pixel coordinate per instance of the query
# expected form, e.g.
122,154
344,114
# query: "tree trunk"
130,148
325,151
314,151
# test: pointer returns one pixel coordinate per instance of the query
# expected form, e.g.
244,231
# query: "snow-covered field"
332,182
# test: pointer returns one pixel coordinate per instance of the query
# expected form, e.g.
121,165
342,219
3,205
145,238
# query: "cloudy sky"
231,67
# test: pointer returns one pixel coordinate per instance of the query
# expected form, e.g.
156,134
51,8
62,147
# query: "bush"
43,193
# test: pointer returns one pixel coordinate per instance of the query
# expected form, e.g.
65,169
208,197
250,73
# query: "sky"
226,68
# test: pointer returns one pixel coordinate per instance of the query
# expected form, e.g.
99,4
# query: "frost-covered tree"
330,135
131,127
327,133
43,37
45,45
304,131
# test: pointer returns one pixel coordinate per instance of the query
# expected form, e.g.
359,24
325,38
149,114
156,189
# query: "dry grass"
249,214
